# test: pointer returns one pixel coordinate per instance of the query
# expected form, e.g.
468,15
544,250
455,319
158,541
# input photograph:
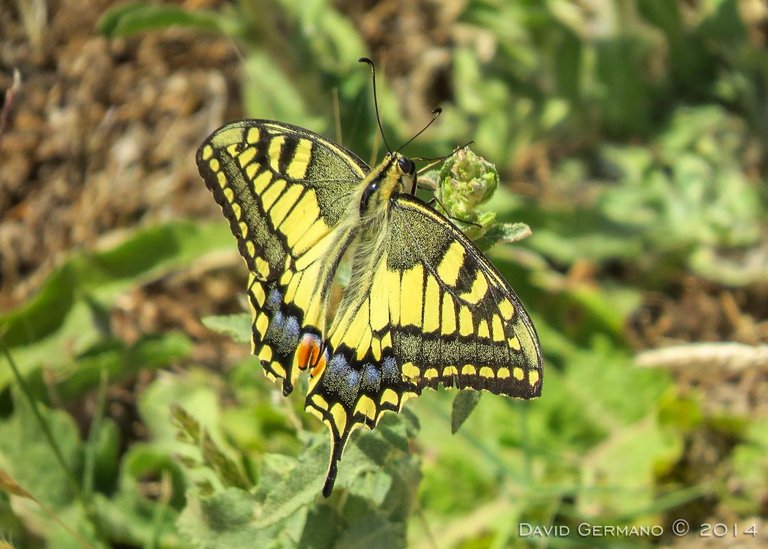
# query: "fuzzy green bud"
466,181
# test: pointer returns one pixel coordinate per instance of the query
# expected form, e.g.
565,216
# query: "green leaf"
628,94
133,520
102,275
196,390
294,491
213,457
748,471
238,327
221,520
104,447
377,474
373,531
113,358
234,518
129,19
271,92
463,404
503,232
56,325
620,473
26,454
151,460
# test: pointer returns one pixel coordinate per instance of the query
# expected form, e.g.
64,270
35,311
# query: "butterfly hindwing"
285,192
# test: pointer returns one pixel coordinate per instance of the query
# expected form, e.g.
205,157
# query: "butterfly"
423,306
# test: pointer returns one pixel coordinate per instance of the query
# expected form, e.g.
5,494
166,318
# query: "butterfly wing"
426,308
286,193
471,331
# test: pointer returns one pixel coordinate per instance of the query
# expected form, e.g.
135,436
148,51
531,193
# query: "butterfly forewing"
473,330
285,192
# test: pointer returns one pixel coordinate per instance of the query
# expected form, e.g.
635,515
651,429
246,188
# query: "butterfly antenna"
435,113
376,99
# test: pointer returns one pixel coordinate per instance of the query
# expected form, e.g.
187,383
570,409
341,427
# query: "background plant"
633,136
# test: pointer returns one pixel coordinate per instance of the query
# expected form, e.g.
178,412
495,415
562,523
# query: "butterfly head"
395,174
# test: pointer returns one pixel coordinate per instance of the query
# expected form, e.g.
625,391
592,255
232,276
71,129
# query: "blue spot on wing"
283,334
335,372
276,323
273,300
353,387
389,370
371,379
341,381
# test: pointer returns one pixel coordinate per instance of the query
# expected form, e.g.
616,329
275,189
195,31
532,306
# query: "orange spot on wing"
308,351
318,369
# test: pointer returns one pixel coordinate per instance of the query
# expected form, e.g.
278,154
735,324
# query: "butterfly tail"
337,448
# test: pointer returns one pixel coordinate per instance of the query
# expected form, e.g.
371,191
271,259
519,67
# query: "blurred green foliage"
652,115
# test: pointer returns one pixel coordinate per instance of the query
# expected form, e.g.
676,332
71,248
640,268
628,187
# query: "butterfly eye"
406,165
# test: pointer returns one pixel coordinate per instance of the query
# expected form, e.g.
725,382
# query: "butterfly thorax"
394,175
